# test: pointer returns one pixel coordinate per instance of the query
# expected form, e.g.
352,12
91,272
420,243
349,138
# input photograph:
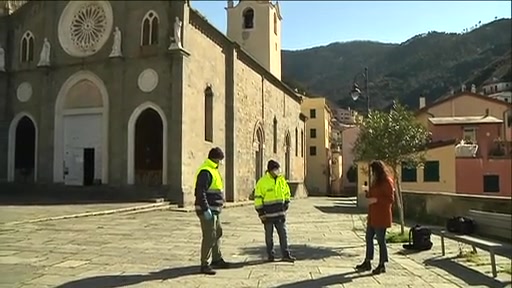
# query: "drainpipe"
505,123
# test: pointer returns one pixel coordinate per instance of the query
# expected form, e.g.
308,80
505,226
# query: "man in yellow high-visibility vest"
209,201
271,200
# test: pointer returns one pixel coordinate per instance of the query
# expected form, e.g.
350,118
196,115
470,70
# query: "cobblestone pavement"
161,249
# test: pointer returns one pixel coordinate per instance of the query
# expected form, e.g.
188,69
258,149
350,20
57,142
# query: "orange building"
483,163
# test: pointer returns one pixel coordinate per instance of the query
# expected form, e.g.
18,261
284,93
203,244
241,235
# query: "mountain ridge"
428,64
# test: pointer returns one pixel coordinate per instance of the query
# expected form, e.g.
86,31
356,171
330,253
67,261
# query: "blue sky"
314,23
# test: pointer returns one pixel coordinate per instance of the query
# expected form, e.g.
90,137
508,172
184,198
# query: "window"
312,133
492,183
296,142
27,47
312,113
509,119
469,134
208,114
301,143
248,18
275,24
149,29
312,150
275,135
409,174
431,171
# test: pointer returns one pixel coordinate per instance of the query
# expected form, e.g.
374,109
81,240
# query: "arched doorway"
287,156
22,159
258,153
148,148
81,131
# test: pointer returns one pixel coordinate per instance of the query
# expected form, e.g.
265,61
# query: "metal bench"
488,224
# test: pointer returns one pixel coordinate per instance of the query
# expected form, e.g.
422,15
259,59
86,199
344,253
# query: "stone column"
178,67
230,161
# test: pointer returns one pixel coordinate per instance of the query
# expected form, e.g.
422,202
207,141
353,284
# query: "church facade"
135,93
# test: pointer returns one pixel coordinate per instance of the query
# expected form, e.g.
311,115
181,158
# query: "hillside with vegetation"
429,64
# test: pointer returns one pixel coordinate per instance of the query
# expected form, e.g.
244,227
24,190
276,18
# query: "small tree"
395,138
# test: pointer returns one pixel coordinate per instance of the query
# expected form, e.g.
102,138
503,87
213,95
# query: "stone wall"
205,66
258,102
4,123
435,208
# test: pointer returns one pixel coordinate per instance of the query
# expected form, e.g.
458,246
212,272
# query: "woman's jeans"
380,234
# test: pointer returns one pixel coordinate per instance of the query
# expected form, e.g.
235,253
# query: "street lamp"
356,92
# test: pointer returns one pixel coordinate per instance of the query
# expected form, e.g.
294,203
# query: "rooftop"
465,120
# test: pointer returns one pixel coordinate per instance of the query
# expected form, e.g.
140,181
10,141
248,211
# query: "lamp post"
356,92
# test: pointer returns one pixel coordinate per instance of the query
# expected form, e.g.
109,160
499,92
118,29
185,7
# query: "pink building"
483,160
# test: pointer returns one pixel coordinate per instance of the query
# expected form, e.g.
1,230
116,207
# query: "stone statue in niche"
473,88
44,57
176,39
2,59
463,88
116,47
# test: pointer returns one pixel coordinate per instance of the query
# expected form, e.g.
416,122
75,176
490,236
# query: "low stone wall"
298,189
435,208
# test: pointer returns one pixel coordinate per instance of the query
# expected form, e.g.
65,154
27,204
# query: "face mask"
221,162
276,172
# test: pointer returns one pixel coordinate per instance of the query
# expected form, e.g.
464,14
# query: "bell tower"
256,26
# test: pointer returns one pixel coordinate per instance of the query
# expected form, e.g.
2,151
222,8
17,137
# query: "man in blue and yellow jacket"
209,192
271,200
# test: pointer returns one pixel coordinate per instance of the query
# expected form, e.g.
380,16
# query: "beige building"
436,175
318,145
137,105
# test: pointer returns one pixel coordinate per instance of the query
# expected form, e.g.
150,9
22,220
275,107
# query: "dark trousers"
280,225
380,234
210,244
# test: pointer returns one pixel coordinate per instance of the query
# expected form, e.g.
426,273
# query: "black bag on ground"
419,239
460,225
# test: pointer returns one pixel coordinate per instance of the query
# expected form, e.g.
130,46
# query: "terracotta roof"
441,143
456,95
465,120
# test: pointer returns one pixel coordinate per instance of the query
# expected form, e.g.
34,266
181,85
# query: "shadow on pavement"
466,274
113,281
301,252
342,207
325,281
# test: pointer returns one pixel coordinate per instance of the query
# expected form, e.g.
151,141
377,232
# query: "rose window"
88,26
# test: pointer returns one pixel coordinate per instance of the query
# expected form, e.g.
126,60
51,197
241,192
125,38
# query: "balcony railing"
464,149
500,149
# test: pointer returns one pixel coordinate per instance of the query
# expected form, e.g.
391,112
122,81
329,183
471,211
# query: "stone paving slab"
161,249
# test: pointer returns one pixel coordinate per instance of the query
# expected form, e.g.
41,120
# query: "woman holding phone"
380,197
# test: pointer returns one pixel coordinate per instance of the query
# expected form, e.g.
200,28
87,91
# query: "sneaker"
289,258
271,258
379,269
220,264
207,270
365,266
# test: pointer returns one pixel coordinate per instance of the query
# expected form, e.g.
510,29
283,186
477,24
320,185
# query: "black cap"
216,153
272,165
